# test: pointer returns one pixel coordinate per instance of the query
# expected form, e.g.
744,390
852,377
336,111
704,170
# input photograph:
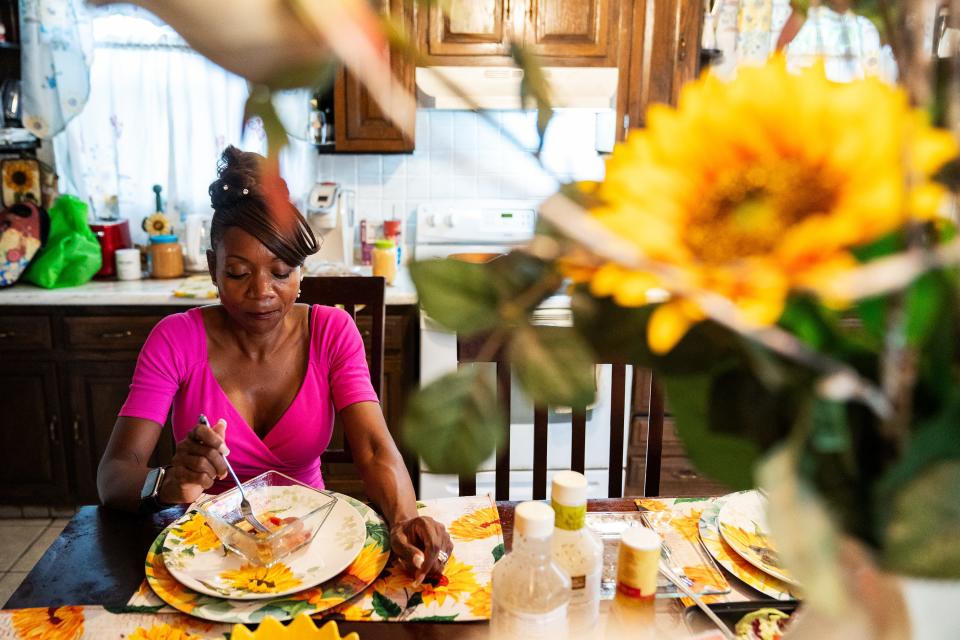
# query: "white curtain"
158,113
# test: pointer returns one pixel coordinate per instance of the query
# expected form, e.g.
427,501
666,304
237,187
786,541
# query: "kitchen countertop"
149,292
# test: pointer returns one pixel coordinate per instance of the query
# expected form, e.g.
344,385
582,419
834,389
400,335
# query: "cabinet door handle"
117,334
77,435
52,429
506,9
7,334
682,49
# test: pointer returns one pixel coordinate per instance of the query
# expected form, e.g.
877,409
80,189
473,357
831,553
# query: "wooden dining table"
98,559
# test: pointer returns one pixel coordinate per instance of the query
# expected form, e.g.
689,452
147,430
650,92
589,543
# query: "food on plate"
295,534
762,624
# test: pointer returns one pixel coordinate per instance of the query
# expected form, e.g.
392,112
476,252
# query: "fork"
245,509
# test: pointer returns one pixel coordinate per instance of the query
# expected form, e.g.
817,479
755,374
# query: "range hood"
499,87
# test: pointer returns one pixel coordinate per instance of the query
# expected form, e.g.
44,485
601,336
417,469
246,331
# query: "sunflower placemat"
462,593
98,623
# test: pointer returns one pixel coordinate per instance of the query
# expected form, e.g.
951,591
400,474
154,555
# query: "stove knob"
449,221
433,220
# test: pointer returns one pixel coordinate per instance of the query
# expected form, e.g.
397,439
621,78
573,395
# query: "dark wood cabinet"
67,371
562,32
97,390
32,443
664,54
359,123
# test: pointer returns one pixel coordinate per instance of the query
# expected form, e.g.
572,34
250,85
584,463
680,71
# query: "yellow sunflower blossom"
163,632
196,531
651,504
480,524
479,601
751,213
18,175
457,581
356,612
261,579
165,585
744,538
157,224
688,526
705,577
368,564
48,623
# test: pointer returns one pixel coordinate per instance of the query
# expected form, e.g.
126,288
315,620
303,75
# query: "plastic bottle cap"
384,244
640,538
163,239
569,488
533,520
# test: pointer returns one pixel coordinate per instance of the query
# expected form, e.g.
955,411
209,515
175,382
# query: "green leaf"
435,618
829,430
380,533
281,609
921,539
534,88
454,423
459,295
498,552
554,365
520,275
260,104
415,600
925,301
727,458
385,607
881,247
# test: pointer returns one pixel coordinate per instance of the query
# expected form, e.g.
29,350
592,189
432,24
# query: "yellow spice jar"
385,260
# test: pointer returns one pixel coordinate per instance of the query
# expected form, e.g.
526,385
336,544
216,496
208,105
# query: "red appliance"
112,235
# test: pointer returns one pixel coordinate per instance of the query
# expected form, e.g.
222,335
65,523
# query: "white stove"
496,226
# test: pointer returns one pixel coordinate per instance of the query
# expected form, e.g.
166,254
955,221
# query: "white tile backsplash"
463,155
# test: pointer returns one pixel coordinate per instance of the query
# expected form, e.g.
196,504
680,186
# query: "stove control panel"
494,222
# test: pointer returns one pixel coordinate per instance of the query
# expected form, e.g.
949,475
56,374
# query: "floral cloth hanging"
56,49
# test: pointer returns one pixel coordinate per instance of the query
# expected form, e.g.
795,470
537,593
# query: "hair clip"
225,187
246,191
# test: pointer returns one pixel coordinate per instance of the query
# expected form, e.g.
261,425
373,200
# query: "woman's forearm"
387,483
119,483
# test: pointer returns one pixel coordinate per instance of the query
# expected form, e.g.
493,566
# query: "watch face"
151,484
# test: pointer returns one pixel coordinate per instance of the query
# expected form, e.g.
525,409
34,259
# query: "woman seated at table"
270,372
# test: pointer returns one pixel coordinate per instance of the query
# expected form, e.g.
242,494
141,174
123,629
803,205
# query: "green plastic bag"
71,255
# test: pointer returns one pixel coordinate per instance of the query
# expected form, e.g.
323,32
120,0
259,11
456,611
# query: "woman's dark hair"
240,199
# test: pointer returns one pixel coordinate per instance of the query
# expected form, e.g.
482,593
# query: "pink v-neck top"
173,369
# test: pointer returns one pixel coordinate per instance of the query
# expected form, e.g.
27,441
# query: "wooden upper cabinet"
664,53
469,28
360,125
582,30
562,32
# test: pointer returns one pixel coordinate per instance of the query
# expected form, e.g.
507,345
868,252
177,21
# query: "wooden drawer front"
678,476
18,333
122,333
392,331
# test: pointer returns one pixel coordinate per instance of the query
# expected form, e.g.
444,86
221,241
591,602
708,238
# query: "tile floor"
23,542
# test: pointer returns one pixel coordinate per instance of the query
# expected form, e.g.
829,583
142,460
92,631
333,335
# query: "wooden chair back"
468,351
356,295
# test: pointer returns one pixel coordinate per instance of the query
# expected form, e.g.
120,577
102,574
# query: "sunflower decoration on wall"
21,181
157,224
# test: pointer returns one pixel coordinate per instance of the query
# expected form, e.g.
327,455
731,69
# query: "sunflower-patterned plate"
732,562
743,525
354,579
196,557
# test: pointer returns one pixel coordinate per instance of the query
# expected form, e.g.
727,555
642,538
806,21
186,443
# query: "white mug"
128,264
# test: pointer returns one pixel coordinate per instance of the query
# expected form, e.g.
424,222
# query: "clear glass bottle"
530,591
577,549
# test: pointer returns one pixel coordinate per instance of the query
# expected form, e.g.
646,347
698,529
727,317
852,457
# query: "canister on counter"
165,257
385,260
